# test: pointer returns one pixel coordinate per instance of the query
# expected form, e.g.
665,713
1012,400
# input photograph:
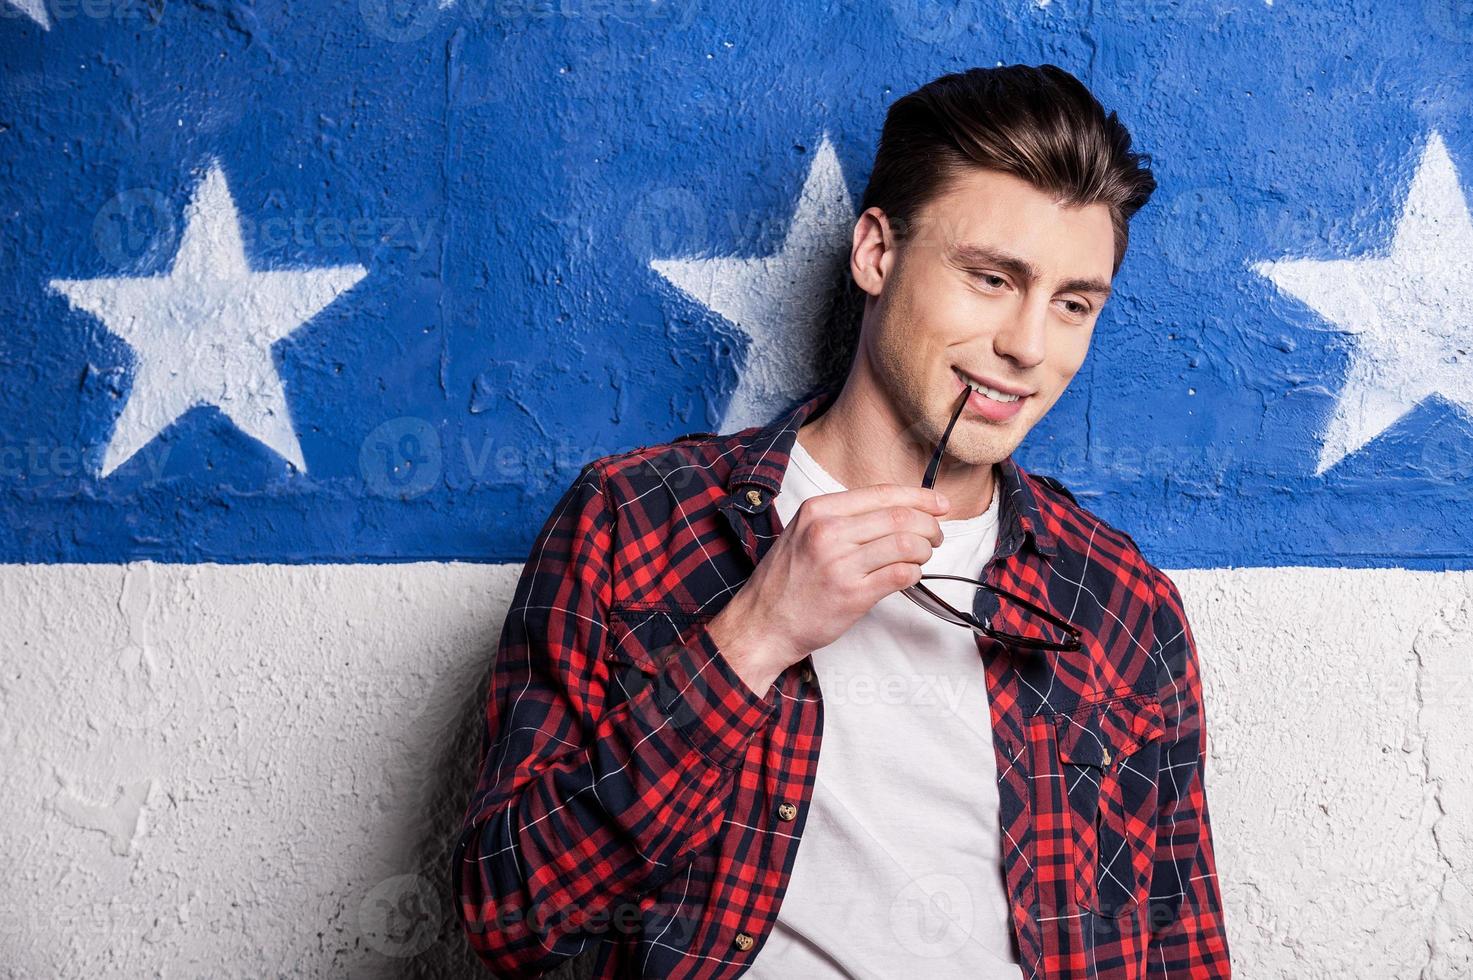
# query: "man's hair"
1037,123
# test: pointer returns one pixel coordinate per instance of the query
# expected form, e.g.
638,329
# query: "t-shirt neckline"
976,524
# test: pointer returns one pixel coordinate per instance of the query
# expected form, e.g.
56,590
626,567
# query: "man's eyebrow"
970,253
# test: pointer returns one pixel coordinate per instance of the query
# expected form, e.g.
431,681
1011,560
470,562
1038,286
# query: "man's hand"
842,553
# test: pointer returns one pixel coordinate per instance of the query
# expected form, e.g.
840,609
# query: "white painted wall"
242,770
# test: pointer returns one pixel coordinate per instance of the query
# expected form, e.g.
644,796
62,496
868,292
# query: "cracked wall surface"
242,770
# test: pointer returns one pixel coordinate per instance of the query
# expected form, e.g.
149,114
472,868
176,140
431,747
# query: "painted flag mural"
312,311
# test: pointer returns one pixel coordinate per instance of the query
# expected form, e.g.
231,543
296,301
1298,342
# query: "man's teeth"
992,393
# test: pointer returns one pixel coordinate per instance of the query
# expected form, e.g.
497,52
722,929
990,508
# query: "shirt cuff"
708,702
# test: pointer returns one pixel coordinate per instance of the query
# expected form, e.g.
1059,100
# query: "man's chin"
981,451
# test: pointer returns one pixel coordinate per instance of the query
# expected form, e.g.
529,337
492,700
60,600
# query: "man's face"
996,282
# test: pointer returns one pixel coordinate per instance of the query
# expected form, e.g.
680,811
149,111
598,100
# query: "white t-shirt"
899,872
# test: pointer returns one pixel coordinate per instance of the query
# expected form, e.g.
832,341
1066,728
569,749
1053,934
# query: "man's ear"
872,250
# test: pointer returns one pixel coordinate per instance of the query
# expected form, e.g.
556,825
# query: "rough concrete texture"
243,770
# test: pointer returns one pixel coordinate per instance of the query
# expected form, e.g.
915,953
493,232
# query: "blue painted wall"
504,170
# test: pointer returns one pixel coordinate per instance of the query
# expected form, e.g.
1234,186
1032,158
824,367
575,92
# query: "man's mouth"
996,403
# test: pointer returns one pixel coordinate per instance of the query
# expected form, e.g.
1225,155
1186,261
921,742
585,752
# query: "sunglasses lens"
927,602
1038,633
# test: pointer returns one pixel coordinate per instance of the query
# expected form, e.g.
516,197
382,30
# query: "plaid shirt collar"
763,458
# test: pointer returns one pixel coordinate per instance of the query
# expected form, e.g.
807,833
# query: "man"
1011,779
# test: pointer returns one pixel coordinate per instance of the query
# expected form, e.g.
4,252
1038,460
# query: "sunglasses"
937,606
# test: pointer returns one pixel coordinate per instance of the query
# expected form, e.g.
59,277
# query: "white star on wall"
34,9
202,334
779,301
1411,310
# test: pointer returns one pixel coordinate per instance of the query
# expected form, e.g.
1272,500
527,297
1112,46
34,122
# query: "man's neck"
860,441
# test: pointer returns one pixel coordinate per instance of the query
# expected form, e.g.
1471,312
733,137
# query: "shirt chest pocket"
640,639
1109,756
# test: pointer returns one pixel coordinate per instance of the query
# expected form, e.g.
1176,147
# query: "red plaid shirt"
635,796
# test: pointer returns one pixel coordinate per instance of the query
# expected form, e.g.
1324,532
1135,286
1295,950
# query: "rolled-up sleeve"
578,810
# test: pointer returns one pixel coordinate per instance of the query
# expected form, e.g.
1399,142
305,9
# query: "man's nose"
1022,339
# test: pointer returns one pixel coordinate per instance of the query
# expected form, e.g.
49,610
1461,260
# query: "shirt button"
754,497
1105,754
807,675
787,811
743,941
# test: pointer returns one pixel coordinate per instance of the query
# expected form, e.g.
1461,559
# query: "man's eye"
996,282
1077,308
